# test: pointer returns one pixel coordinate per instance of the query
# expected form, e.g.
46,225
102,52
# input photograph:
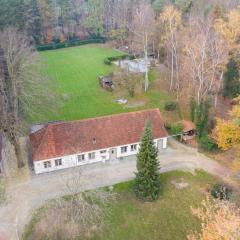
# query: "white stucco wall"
72,160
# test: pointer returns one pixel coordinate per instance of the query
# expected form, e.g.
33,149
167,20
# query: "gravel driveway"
26,196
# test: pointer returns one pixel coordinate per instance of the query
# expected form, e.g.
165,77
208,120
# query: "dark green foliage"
232,79
109,60
221,191
192,109
147,183
33,21
73,43
11,13
168,126
170,106
158,5
176,128
208,144
201,118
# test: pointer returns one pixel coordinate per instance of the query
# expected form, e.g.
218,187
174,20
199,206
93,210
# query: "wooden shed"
189,130
106,82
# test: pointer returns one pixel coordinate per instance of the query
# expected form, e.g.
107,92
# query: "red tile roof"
67,138
188,125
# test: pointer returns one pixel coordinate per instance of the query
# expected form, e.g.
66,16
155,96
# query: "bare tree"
123,79
142,28
169,23
203,58
74,216
22,88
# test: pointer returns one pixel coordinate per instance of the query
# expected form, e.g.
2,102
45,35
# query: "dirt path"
29,194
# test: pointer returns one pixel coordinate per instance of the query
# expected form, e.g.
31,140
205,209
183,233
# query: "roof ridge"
106,116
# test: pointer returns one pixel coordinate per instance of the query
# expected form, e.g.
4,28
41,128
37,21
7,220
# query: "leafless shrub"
74,216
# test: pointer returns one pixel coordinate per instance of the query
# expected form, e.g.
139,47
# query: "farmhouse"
69,144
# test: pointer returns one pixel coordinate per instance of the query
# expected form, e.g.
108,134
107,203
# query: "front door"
113,154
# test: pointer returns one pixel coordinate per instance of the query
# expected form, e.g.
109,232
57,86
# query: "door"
113,154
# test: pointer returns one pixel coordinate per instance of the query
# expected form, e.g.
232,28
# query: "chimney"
94,141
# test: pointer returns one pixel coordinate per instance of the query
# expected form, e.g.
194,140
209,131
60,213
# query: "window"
124,149
47,164
133,147
103,151
91,155
58,162
81,158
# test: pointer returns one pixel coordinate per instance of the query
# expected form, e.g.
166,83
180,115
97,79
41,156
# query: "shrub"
170,106
208,144
168,126
176,128
221,191
71,43
109,60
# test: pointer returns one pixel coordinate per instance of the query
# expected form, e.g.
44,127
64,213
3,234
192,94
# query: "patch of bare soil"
136,104
227,158
180,185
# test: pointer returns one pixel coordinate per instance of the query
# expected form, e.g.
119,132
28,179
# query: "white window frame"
124,149
47,164
103,151
81,157
91,155
133,147
58,162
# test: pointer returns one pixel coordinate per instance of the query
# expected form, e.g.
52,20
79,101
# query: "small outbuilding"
189,130
106,82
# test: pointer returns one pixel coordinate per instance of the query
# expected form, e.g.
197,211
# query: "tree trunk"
18,152
146,62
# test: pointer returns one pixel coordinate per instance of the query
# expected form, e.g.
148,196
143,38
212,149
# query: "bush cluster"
176,128
170,106
208,144
52,46
221,191
109,60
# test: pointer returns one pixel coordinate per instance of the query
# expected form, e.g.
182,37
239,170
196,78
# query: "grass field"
169,218
74,72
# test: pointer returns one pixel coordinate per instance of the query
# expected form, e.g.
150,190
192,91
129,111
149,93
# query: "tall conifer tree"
147,183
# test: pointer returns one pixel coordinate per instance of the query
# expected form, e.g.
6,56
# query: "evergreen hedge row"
52,46
109,60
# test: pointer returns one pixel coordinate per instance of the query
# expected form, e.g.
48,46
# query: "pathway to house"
29,194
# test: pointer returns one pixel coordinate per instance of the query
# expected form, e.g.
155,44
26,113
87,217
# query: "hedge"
52,46
109,60
170,106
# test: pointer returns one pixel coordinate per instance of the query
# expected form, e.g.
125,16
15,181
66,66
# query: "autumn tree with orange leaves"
219,220
227,133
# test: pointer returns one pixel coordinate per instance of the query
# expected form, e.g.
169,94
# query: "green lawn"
169,218
74,72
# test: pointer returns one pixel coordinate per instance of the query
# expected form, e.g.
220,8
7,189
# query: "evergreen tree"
232,79
192,109
198,119
201,118
147,183
33,21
